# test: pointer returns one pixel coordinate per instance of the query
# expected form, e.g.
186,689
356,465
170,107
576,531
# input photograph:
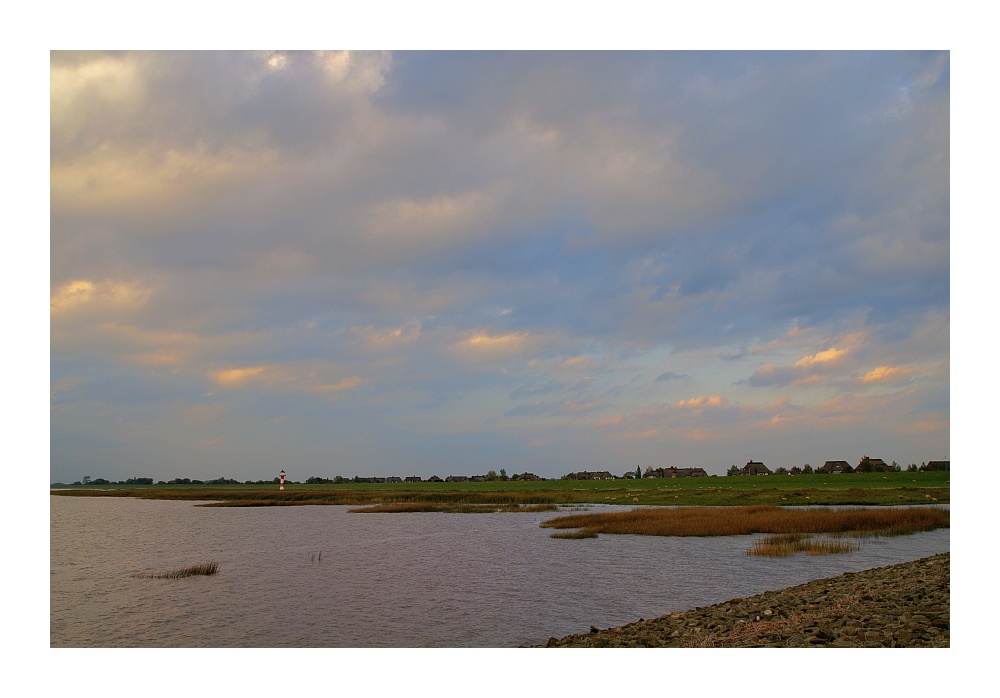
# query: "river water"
318,576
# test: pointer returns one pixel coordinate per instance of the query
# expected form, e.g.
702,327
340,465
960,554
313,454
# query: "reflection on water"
317,576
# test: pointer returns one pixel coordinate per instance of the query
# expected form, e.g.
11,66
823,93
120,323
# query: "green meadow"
880,489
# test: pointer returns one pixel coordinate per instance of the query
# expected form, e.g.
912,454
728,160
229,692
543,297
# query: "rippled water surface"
318,576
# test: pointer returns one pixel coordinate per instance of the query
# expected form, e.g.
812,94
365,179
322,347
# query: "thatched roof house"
833,467
674,471
586,475
755,468
872,465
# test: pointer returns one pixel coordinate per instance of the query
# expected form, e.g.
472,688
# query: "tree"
86,479
781,471
491,476
503,475
733,470
911,468
638,473
807,469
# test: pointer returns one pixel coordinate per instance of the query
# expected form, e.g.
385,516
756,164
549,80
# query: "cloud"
825,356
809,370
702,401
381,339
656,243
888,374
106,297
308,378
481,346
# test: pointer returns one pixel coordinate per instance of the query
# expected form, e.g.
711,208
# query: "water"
318,576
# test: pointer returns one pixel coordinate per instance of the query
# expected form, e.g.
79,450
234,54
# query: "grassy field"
884,489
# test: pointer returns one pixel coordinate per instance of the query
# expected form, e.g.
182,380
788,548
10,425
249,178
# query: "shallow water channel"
318,576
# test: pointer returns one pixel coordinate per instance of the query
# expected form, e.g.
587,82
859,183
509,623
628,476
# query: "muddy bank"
906,605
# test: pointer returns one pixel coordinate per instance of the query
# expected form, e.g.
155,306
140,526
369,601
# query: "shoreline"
903,605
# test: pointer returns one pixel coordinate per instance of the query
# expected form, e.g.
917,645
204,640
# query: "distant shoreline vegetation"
866,465
863,489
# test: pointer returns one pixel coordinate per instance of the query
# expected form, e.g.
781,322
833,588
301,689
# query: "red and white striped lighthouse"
281,480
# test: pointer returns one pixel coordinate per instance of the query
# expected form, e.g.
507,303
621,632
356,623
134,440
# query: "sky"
444,263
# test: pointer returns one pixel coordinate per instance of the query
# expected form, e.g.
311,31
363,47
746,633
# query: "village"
831,467
752,468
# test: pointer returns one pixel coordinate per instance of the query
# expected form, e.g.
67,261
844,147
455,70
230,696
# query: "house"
586,475
674,471
413,478
457,478
528,476
394,479
937,465
378,480
833,467
434,478
477,478
755,468
871,465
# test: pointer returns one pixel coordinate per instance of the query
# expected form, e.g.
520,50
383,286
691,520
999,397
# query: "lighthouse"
281,480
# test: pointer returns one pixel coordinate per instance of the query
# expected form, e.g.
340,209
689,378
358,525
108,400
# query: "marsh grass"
788,544
417,507
193,570
735,521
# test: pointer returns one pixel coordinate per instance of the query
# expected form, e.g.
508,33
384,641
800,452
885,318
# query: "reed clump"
574,535
206,569
735,521
788,544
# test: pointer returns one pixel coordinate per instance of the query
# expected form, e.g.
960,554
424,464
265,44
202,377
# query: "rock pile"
905,605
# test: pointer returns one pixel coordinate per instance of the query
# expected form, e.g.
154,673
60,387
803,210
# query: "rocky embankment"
905,605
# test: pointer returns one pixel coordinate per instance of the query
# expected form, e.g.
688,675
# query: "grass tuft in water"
574,535
788,544
193,570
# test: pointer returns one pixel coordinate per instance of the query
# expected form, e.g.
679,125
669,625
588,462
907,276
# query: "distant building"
586,475
938,465
871,465
528,476
457,478
676,472
394,479
414,478
755,468
434,478
833,467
